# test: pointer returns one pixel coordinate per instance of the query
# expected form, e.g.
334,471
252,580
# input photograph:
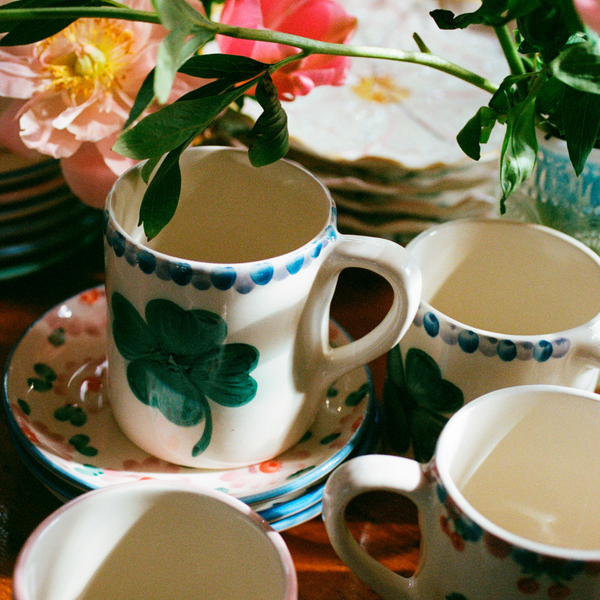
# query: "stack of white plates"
385,142
41,221
61,423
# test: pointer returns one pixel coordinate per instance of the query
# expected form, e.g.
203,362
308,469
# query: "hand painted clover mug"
218,352
508,507
503,304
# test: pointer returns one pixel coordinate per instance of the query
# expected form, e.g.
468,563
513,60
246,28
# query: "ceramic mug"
508,507
504,303
218,352
152,540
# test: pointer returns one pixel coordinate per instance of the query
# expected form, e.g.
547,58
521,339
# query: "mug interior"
524,463
508,278
229,211
151,543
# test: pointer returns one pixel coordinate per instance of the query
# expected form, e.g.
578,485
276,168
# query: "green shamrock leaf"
179,361
416,399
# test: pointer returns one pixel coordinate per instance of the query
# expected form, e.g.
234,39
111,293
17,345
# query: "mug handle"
373,472
324,365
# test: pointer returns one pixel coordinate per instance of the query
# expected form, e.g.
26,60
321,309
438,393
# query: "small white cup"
503,304
218,329
508,507
154,540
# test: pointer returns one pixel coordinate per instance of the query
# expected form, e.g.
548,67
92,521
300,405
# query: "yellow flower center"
382,90
94,58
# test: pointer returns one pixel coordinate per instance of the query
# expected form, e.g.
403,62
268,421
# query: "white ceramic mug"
508,507
153,540
218,328
503,304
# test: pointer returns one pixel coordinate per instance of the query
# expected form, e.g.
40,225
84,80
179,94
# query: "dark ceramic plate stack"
41,222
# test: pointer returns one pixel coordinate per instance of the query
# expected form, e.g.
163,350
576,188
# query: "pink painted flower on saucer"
323,20
73,93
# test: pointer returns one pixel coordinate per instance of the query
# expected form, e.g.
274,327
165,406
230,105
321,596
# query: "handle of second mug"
398,267
369,473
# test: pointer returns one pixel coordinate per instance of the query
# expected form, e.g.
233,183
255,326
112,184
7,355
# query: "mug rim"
442,463
504,222
328,229
143,488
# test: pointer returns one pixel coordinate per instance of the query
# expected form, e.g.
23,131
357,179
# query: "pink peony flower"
589,11
74,92
323,20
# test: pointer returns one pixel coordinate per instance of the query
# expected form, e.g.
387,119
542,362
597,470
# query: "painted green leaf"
165,387
180,360
45,371
144,98
424,382
183,333
225,379
426,427
133,338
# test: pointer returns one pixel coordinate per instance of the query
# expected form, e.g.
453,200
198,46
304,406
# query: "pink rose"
74,92
589,11
323,20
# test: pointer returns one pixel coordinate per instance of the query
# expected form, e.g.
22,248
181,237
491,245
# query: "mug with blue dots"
504,303
218,327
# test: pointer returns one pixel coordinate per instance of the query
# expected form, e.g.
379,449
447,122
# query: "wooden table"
386,525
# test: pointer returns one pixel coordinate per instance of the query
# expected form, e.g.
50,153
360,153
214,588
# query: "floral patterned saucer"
58,413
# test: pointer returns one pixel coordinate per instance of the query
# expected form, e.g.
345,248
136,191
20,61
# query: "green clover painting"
178,360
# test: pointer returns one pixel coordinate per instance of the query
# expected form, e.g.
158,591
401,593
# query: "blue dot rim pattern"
243,277
471,342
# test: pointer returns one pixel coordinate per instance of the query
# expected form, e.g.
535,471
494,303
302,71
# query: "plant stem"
355,51
77,12
307,45
510,51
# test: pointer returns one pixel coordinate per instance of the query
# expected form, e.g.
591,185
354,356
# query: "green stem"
307,45
317,47
509,49
106,12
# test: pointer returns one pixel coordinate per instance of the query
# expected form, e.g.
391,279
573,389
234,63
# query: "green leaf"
184,333
426,427
519,148
173,51
178,14
231,67
269,138
162,194
163,386
476,132
581,122
173,125
579,66
132,336
143,100
225,377
21,32
182,21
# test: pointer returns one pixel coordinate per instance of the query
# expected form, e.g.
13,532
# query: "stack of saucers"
385,141
61,423
41,221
